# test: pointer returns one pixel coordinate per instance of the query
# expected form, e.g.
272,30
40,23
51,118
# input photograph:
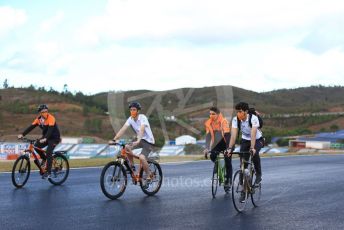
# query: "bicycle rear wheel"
215,180
256,191
21,171
59,169
113,180
153,184
239,193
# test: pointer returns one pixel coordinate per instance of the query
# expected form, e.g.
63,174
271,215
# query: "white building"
318,144
185,139
71,140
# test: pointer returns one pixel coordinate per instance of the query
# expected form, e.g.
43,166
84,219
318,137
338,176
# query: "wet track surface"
298,193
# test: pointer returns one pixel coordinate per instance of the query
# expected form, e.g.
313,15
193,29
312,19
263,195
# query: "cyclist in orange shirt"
50,136
217,140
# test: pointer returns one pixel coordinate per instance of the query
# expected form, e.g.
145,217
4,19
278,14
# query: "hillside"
85,115
308,99
75,118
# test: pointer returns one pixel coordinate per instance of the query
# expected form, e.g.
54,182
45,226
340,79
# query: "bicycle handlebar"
118,144
242,153
224,152
25,139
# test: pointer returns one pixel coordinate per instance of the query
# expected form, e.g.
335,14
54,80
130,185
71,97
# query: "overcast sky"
97,46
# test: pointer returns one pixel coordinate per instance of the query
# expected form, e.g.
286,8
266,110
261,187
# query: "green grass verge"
6,166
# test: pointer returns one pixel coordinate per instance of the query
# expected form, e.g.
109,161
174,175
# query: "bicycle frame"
220,168
250,166
123,160
31,151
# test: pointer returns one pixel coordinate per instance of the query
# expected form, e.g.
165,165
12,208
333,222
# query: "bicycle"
22,166
113,179
243,184
219,174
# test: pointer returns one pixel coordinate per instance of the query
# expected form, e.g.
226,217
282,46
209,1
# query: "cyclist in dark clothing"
50,136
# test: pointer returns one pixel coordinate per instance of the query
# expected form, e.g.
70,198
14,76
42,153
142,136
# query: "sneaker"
147,181
150,178
258,180
242,197
145,184
46,175
227,186
43,162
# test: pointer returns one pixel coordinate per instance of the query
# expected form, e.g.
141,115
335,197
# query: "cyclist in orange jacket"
217,140
50,136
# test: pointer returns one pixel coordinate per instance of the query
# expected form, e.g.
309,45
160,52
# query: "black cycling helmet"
41,107
135,104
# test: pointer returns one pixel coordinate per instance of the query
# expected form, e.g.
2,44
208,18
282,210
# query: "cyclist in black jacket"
50,136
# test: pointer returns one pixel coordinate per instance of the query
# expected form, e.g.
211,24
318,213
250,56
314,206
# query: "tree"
65,88
5,84
283,142
334,127
41,89
51,90
322,130
32,87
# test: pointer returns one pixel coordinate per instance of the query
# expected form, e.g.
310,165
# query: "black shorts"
146,147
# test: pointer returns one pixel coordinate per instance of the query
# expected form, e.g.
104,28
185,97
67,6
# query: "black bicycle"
244,184
22,166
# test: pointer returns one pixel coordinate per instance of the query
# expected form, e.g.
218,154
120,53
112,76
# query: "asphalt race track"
300,192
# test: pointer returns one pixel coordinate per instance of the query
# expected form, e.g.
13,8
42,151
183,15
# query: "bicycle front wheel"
113,180
59,169
21,171
239,191
215,180
256,190
150,185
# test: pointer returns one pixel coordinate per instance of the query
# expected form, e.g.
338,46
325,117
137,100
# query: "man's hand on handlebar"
112,142
135,143
229,151
20,136
205,152
43,140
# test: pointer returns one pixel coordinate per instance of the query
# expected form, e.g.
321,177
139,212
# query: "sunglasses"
43,112
212,114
